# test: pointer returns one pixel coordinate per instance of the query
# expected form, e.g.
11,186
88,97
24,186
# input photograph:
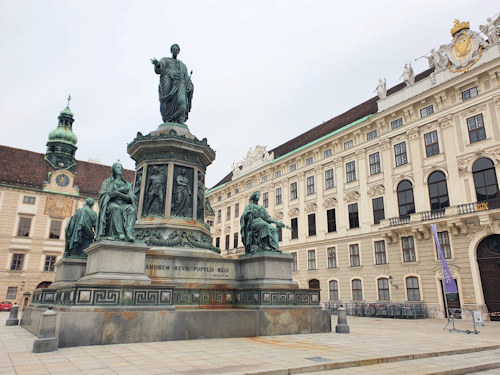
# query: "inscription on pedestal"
189,270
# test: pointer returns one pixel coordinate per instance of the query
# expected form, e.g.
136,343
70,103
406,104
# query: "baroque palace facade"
38,195
361,190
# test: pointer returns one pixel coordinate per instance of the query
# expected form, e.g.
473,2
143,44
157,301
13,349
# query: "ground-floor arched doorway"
488,259
314,284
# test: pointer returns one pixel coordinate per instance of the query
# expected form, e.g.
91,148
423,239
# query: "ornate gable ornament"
311,207
329,202
254,159
293,211
376,190
351,196
278,215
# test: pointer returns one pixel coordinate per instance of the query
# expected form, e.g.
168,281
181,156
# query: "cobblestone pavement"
374,346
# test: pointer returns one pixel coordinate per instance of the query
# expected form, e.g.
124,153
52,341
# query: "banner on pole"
449,284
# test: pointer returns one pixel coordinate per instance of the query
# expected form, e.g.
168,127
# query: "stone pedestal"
265,270
342,326
69,270
47,340
13,319
115,262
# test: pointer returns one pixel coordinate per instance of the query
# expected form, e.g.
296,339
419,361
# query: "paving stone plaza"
374,346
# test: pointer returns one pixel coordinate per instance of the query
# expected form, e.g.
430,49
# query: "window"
438,191
431,143
329,179
332,223
237,210
228,195
412,289
277,174
294,261
50,262
408,249
383,289
311,224
475,125
17,262
23,230
400,154
219,216
357,291
470,93
333,287
265,200
11,292
293,191
353,215
29,200
235,240
227,241
397,123
278,195
55,229
380,254
228,213
219,198
280,234
371,135
327,153
217,242
374,163
294,223
310,185
378,210
309,160
444,242
350,169
354,255
405,199
485,180
292,167
348,144
311,259
332,257
249,185
236,191
264,178
424,112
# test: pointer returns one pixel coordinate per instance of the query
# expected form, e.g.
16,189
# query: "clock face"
62,180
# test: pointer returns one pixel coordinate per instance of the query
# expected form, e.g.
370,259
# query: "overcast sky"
263,71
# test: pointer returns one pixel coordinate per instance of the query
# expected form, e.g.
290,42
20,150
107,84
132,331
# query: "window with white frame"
412,288
333,287
444,242
475,126
408,246
294,261
470,93
348,144
429,110
329,178
17,262
278,196
354,255
397,123
371,135
309,160
311,259
383,289
277,174
357,290
293,191
50,263
327,153
380,253
350,170
265,199
400,154
332,257
374,163
292,167
236,210
431,143
28,200
219,216
228,195
249,185
310,185
264,178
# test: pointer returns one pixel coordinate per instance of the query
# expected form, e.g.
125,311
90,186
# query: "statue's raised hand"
154,61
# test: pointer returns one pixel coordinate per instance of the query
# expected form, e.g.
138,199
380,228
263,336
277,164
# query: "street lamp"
23,283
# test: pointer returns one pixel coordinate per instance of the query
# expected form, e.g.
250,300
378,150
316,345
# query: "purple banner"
449,283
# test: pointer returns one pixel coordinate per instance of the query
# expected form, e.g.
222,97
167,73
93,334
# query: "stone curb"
397,358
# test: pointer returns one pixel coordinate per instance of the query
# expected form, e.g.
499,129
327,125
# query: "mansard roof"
356,113
28,169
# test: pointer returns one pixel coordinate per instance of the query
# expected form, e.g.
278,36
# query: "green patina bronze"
80,231
175,88
257,230
117,208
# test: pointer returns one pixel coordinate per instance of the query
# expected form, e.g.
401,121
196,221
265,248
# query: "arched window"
412,288
383,289
314,284
438,191
405,198
357,291
333,286
485,180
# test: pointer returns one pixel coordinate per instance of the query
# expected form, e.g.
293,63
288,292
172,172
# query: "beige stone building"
38,195
361,190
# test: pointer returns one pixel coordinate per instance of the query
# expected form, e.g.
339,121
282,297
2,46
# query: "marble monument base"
115,262
69,270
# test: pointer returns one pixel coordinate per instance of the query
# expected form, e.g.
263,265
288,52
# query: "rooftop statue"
175,88
408,75
492,29
257,230
436,58
381,89
117,208
80,230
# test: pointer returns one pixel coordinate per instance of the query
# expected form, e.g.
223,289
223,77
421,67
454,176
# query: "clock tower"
61,145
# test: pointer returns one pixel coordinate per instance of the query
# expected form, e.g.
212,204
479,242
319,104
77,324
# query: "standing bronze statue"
80,230
175,88
117,208
183,196
201,197
257,230
154,195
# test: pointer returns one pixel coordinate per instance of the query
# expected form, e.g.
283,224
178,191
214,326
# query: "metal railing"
434,214
400,220
468,208
382,309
